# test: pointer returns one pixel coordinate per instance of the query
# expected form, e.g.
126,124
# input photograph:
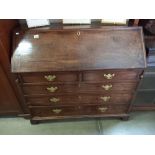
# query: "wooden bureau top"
43,49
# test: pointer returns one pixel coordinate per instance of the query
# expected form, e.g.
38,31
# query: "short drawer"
80,99
111,75
49,77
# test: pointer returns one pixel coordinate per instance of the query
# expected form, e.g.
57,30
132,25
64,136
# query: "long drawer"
80,110
49,89
78,88
79,99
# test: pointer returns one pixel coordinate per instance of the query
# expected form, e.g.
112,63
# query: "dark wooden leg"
126,118
33,122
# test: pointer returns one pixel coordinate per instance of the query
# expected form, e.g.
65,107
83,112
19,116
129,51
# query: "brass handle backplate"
50,77
102,109
109,76
57,111
52,89
105,98
54,99
107,87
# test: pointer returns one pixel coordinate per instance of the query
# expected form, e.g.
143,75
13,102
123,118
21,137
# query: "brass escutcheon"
105,98
109,76
54,100
107,87
50,77
52,89
102,109
57,111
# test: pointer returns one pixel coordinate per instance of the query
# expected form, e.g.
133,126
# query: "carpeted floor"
140,123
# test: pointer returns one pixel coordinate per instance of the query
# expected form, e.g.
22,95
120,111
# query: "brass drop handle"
50,77
102,109
109,76
105,98
54,100
56,111
107,87
52,89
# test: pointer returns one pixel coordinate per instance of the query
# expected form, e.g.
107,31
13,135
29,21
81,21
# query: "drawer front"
145,97
111,75
79,99
101,110
58,111
55,100
49,89
75,111
82,88
49,77
106,99
108,87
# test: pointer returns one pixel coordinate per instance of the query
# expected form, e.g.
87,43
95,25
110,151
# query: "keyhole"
78,33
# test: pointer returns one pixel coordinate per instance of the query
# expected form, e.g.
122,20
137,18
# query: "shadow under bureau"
76,72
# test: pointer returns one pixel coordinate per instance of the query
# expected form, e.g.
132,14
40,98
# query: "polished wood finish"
9,97
34,55
76,88
79,99
6,29
8,100
82,110
43,77
118,75
64,73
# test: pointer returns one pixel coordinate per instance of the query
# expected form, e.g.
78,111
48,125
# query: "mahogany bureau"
76,72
